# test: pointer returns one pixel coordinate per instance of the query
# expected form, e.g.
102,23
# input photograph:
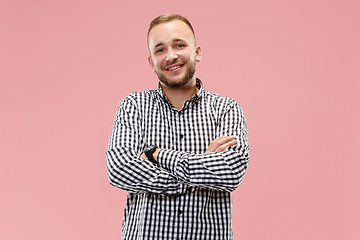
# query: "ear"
198,53
151,63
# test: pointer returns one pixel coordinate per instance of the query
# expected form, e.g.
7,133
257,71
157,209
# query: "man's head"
173,50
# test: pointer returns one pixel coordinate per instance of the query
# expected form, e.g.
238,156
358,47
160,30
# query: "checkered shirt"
187,195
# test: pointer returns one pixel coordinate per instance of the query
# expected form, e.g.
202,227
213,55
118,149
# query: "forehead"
167,32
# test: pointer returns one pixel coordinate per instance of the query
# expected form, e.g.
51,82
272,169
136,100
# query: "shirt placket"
181,139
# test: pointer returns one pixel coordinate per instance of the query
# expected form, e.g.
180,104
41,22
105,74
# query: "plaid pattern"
188,194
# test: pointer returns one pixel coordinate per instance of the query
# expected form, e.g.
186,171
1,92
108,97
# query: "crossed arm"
218,145
221,167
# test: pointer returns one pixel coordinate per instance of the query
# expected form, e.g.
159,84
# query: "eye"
159,50
179,45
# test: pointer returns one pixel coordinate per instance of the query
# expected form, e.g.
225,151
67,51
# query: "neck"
178,96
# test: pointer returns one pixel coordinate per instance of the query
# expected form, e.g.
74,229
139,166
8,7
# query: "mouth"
174,67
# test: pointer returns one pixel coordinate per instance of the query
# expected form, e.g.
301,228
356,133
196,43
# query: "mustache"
174,62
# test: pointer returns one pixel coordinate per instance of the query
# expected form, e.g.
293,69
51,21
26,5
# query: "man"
178,150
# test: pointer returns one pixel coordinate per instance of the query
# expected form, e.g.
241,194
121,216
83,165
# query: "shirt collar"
196,96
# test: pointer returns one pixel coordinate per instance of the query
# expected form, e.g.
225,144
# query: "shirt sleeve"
217,170
125,168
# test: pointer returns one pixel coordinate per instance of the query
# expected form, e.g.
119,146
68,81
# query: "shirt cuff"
168,159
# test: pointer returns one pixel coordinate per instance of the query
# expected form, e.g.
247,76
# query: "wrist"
151,153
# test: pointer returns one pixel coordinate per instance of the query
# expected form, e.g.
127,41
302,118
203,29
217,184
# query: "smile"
174,68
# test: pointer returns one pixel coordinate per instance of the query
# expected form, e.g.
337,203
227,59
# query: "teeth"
174,68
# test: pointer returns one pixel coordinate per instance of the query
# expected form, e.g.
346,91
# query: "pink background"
292,65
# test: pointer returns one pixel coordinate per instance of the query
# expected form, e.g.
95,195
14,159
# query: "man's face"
173,53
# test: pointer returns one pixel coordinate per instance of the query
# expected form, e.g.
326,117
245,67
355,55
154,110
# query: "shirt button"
181,136
180,212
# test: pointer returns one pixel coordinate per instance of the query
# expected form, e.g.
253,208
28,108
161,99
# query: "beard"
190,72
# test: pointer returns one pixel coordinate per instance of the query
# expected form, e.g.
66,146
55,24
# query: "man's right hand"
221,143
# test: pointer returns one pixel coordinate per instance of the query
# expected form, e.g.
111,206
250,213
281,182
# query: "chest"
189,130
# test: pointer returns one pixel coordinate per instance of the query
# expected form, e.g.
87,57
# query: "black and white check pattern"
187,196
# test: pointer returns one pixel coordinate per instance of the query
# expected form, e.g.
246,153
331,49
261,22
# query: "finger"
222,140
226,145
218,142
214,144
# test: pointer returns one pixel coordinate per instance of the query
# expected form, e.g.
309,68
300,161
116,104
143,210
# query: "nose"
171,55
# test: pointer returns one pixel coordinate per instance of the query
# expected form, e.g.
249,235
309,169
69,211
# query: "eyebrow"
174,41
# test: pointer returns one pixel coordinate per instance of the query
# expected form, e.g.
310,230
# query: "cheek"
157,62
191,55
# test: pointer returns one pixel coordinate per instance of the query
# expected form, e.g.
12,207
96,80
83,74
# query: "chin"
174,83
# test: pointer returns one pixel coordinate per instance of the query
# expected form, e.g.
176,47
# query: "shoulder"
222,103
137,99
135,104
